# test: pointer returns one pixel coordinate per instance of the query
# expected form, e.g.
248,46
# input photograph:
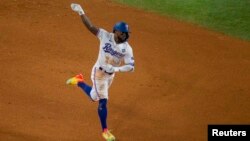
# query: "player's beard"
123,38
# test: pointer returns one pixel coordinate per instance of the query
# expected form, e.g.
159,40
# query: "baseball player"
115,55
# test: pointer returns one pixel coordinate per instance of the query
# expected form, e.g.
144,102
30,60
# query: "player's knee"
102,104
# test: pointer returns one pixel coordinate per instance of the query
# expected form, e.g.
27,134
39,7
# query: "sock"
102,112
86,88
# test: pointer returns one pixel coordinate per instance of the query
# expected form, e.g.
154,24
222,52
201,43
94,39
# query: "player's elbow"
128,68
132,69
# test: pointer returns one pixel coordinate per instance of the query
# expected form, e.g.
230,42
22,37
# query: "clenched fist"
77,8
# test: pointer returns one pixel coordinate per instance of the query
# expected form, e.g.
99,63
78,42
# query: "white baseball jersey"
109,53
112,53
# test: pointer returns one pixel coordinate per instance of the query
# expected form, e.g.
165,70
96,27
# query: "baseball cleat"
75,80
108,136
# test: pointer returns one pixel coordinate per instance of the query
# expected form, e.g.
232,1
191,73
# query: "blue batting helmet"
121,26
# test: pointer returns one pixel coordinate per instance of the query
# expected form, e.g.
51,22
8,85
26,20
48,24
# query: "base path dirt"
185,78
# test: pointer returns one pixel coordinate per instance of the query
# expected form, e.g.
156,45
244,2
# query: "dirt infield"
186,77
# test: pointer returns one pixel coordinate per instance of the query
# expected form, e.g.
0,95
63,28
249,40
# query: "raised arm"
77,8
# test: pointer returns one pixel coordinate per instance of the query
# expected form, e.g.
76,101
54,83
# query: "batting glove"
77,8
108,68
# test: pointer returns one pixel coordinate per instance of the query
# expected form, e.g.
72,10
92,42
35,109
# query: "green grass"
228,16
